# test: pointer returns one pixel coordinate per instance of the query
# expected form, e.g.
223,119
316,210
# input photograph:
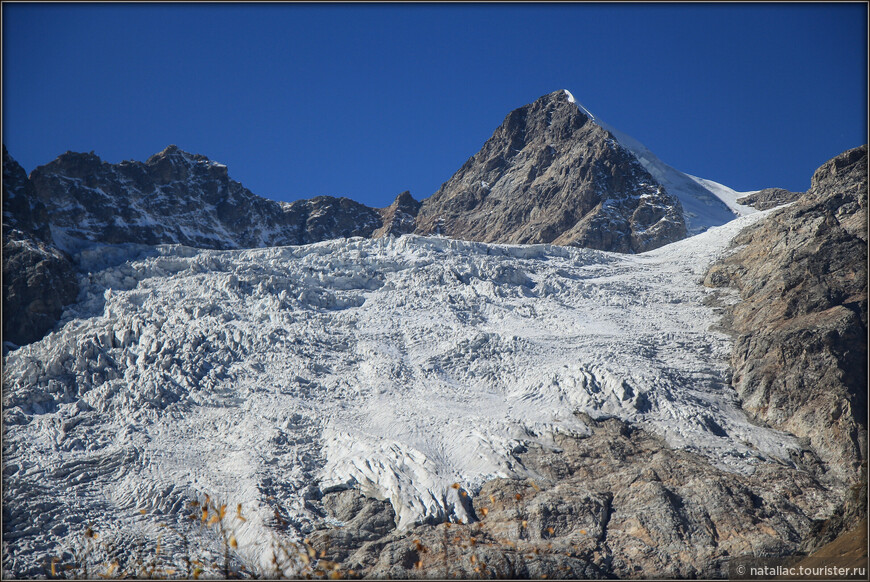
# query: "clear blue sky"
368,100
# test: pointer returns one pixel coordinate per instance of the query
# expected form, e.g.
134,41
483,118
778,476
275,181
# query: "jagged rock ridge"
177,197
549,174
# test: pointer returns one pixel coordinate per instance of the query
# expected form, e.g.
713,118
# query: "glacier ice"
399,365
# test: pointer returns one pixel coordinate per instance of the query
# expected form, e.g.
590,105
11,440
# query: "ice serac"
550,174
38,278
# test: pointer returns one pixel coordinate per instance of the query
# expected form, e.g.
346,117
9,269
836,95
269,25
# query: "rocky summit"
550,174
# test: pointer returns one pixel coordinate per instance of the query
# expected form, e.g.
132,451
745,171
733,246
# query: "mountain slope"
550,175
802,324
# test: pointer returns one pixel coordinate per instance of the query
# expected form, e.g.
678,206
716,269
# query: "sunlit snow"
400,366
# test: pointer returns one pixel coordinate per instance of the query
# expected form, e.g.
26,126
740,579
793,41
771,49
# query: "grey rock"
327,217
800,353
769,198
360,519
620,503
178,197
38,281
549,174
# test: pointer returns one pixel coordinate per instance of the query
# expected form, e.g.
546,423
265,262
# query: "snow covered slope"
705,203
400,366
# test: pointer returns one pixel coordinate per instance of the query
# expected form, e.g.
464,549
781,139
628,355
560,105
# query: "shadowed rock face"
22,211
549,174
38,279
620,503
800,353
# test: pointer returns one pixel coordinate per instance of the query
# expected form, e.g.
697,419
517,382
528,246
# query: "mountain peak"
405,199
176,155
549,174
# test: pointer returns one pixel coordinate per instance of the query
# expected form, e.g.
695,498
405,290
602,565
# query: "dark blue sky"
368,100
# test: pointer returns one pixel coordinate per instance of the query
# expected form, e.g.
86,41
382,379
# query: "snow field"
400,366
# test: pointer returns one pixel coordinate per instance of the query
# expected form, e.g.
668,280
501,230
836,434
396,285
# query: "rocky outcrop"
327,217
400,217
550,174
800,353
769,198
22,211
38,279
620,503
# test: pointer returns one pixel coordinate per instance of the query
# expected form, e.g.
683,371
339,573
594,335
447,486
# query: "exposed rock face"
549,174
174,197
400,217
800,356
620,503
38,279
177,197
326,217
22,211
769,198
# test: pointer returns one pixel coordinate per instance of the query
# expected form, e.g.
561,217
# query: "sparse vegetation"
460,551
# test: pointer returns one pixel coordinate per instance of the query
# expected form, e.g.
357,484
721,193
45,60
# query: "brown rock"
649,512
549,174
769,198
800,354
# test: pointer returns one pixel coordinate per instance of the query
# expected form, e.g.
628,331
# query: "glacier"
399,366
